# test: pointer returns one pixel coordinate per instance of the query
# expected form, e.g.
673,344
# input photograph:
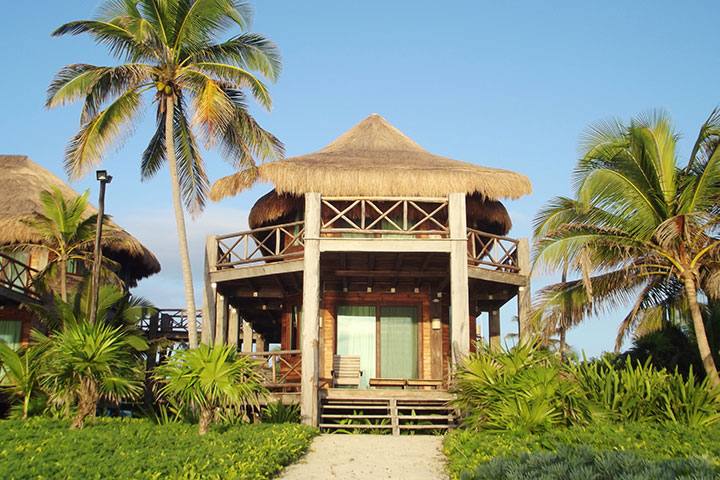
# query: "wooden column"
311,307
459,321
260,343
247,337
233,327
524,297
221,320
207,329
494,339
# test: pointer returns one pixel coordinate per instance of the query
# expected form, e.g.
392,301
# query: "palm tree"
65,232
647,226
210,377
173,51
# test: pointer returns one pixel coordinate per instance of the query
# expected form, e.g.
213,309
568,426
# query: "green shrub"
140,449
276,412
520,389
467,450
582,463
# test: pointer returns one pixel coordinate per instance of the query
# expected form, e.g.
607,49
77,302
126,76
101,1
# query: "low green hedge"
140,449
468,452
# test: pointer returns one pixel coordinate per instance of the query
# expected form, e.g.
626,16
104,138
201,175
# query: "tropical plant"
89,362
172,48
648,228
67,232
522,389
277,412
19,374
209,378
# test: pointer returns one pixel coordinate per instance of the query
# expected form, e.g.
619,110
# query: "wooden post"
221,319
459,298
494,329
524,298
311,308
247,339
260,342
233,327
207,331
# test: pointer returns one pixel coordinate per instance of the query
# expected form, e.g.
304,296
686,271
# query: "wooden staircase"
386,411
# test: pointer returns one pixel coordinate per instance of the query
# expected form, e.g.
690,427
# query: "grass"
469,454
140,449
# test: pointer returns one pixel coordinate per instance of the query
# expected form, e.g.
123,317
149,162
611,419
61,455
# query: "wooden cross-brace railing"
385,215
493,251
17,276
168,322
260,245
280,368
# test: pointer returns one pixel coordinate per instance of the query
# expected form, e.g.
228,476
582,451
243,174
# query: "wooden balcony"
16,280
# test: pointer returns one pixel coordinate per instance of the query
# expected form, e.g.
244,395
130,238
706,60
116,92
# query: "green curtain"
398,342
356,336
10,333
13,270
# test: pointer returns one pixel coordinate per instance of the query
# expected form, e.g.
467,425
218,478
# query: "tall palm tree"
65,232
648,226
173,52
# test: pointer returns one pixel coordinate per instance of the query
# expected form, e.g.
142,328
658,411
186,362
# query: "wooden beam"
524,294
496,276
247,336
459,299
262,270
311,310
207,332
383,273
233,327
221,317
494,329
338,244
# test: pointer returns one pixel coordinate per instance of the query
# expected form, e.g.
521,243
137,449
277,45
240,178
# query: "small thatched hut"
374,252
22,181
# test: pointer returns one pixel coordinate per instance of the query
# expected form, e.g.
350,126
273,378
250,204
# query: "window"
10,333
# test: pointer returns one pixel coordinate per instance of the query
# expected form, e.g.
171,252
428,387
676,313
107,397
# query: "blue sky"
503,84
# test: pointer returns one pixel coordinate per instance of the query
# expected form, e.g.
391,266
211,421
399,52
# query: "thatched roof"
482,214
375,158
21,182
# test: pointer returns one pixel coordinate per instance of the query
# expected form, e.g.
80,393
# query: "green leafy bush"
582,463
467,450
276,412
140,449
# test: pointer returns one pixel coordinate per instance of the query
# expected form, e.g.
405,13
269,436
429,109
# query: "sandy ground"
371,456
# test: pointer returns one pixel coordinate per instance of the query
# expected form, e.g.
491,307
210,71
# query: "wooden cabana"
374,248
21,183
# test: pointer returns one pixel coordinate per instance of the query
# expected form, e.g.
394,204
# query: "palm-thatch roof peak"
375,158
21,183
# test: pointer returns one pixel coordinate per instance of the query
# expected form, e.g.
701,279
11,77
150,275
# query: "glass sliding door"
398,342
356,327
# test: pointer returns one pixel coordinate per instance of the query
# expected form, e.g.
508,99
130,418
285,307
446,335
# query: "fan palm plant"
208,378
173,53
647,226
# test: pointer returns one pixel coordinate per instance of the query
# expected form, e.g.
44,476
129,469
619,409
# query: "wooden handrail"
278,370
260,245
494,251
17,276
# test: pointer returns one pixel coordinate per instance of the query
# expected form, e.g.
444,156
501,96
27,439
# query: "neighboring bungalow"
371,258
21,181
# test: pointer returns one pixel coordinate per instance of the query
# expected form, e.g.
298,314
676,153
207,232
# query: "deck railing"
492,251
168,322
371,216
261,245
281,369
17,276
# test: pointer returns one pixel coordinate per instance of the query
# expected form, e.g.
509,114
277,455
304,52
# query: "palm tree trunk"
699,326
87,402
26,403
63,278
180,222
206,414
563,345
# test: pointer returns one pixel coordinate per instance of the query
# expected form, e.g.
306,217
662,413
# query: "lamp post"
104,179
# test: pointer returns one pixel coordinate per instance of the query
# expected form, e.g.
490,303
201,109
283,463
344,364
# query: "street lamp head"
103,176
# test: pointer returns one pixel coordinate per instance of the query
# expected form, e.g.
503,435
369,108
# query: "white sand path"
415,457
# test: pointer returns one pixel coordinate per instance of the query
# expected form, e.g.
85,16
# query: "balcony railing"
281,369
493,251
277,242
17,276
378,216
168,323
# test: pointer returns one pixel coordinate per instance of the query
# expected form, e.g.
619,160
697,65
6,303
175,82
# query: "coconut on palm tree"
647,225
174,54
